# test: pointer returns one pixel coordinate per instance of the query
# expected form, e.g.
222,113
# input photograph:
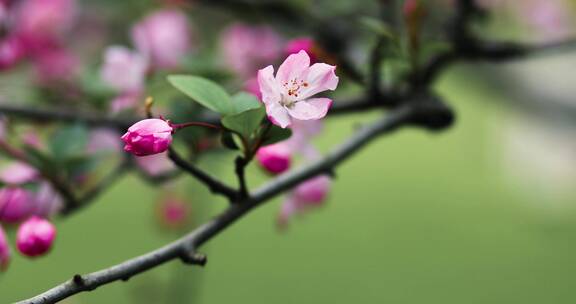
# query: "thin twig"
213,184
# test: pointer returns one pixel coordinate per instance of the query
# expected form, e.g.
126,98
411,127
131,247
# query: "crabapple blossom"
35,236
4,250
275,158
38,20
16,204
147,137
287,95
164,37
11,52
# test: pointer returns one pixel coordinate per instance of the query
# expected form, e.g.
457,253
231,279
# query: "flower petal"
321,77
295,66
278,115
310,109
268,85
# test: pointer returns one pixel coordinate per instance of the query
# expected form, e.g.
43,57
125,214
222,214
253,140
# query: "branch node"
194,258
432,114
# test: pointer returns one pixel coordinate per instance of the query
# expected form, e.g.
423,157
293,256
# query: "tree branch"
213,184
404,115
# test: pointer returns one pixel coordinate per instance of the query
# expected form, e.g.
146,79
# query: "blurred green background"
415,218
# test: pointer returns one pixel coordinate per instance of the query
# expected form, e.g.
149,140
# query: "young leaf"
276,134
204,91
244,101
244,123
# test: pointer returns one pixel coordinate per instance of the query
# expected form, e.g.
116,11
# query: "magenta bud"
302,44
147,137
35,236
16,204
4,251
274,158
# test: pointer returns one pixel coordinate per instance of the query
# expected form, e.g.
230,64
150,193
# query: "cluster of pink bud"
28,208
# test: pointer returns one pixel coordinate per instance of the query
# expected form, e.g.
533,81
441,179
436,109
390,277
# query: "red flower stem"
195,124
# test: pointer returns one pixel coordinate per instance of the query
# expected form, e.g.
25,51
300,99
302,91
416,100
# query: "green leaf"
244,101
244,123
69,141
205,92
276,134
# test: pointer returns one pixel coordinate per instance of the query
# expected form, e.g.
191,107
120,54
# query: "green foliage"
276,134
243,101
244,123
205,92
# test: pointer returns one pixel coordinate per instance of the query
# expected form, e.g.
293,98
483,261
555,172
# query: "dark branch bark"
213,184
123,271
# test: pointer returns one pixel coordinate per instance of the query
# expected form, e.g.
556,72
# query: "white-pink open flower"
288,94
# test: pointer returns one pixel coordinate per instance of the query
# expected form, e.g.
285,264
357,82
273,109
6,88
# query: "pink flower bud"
164,37
274,158
313,191
18,173
147,137
35,236
4,251
302,44
16,204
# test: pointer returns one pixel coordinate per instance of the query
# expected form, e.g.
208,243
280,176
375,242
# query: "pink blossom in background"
287,95
56,64
47,201
16,204
251,86
275,158
18,173
4,250
309,194
12,51
123,70
103,140
173,212
165,37
246,48
35,236
125,101
156,164
37,20
302,44
549,18
147,137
